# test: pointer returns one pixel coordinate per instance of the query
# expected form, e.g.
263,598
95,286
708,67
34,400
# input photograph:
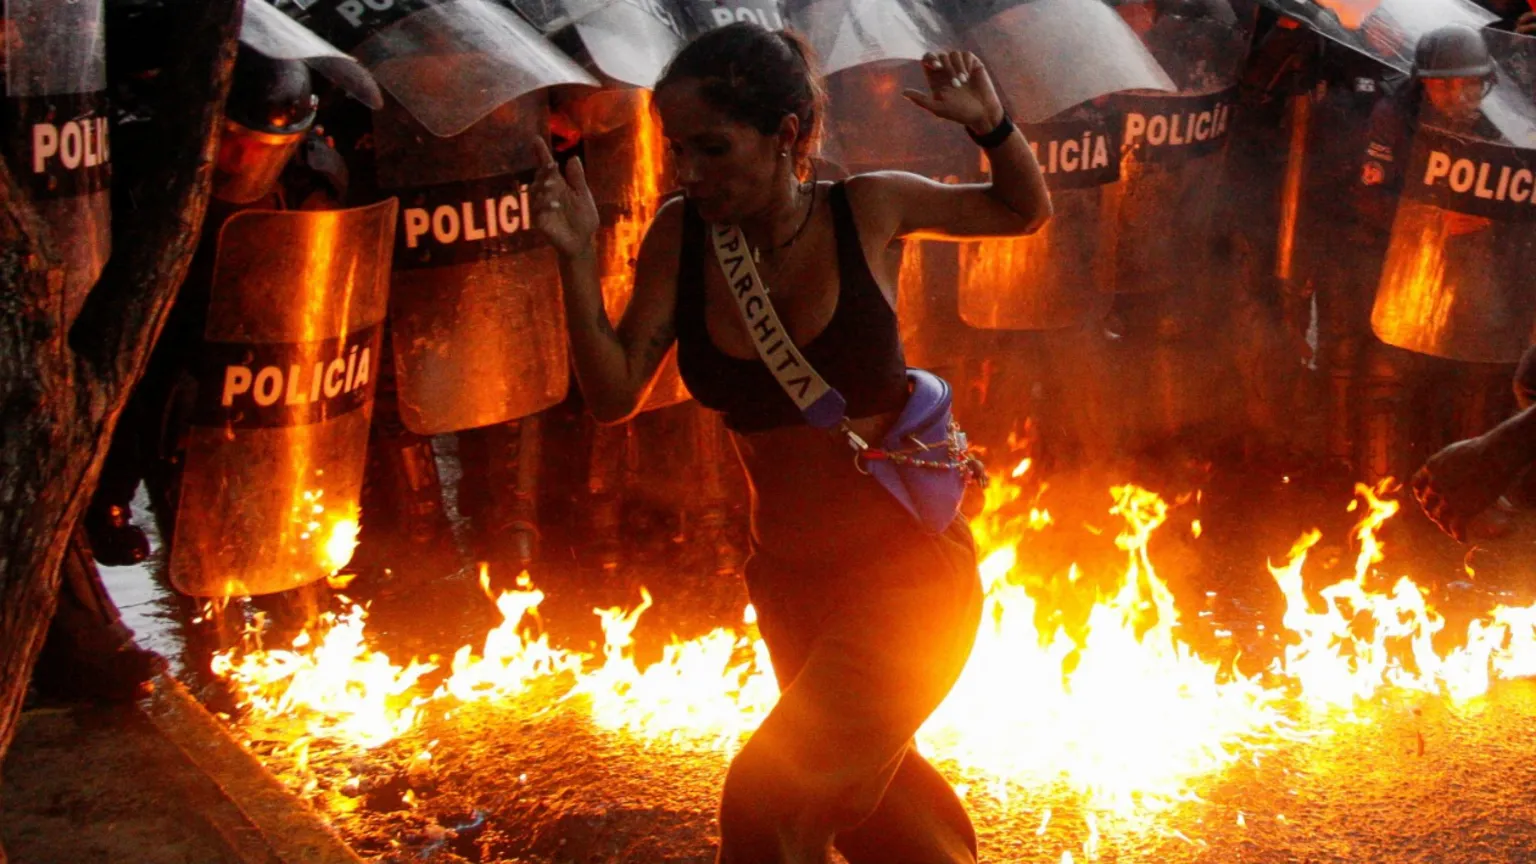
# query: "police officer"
1452,74
269,116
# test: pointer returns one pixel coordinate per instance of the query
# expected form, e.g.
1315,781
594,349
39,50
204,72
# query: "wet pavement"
1412,778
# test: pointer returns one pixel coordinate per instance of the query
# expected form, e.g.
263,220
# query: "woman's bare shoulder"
878,199
663,242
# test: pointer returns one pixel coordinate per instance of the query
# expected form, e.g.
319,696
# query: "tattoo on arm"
657,347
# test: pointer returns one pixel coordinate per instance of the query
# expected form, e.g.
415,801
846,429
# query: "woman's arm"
614,368
1015,202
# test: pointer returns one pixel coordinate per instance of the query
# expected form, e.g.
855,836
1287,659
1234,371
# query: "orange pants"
864,649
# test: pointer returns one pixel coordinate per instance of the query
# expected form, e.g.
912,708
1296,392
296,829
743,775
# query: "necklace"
757,251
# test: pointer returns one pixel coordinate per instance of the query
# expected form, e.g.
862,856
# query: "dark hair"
757,77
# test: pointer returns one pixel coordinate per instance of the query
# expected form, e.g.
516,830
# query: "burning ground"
1319,709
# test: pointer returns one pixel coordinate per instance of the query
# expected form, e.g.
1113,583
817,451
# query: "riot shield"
274,472
849,33
1172,146
58,148
1062,275
552,15
1388,30
279,37
1456,283
449,62
1047,56
702,15
628,173
631,41
475,310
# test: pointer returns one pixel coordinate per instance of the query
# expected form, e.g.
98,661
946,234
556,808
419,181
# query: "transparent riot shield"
449,62
270,32
1172,146
59,148
552,15
1047,56
850,33
1063,275
702,15
1456,281
1388,30
631,41
476,318
274,473
629,173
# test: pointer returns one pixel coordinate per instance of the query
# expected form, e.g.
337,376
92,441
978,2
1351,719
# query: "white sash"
822,406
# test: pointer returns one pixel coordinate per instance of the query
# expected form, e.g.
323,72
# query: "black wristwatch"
996,137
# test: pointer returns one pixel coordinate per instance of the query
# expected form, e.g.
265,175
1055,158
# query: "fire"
641,202
710,691
511,659
642,198
1125,711
1362,642
343,690
341,543
1080,678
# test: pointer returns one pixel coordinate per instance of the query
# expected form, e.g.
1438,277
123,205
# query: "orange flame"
1118,706
642,200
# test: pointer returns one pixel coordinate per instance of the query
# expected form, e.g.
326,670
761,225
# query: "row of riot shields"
1128,108
475,314
1128,127
273,480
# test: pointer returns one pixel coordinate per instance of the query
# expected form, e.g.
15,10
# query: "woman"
869,619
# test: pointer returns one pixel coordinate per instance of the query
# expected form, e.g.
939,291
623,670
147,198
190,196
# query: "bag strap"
820,403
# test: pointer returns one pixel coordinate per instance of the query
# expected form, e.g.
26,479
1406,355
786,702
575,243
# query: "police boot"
405,538
1345,410
108,520
420,497
498,491
89,652
605,498
1386,423
114,540
1167,364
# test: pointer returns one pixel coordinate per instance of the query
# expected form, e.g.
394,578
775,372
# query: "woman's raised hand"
563,209
960,90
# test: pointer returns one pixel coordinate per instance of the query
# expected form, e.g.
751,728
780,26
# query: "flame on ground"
1070,682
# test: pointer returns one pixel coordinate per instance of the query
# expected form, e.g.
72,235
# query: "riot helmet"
1456,69
1453,51
271,105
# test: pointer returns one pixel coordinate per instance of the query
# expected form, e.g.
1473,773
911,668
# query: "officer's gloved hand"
1465,479
115,540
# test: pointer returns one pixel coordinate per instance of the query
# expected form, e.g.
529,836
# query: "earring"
783,153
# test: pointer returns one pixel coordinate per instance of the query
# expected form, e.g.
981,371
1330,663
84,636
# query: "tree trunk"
61,391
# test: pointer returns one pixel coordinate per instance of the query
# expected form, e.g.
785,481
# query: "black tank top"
859,352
